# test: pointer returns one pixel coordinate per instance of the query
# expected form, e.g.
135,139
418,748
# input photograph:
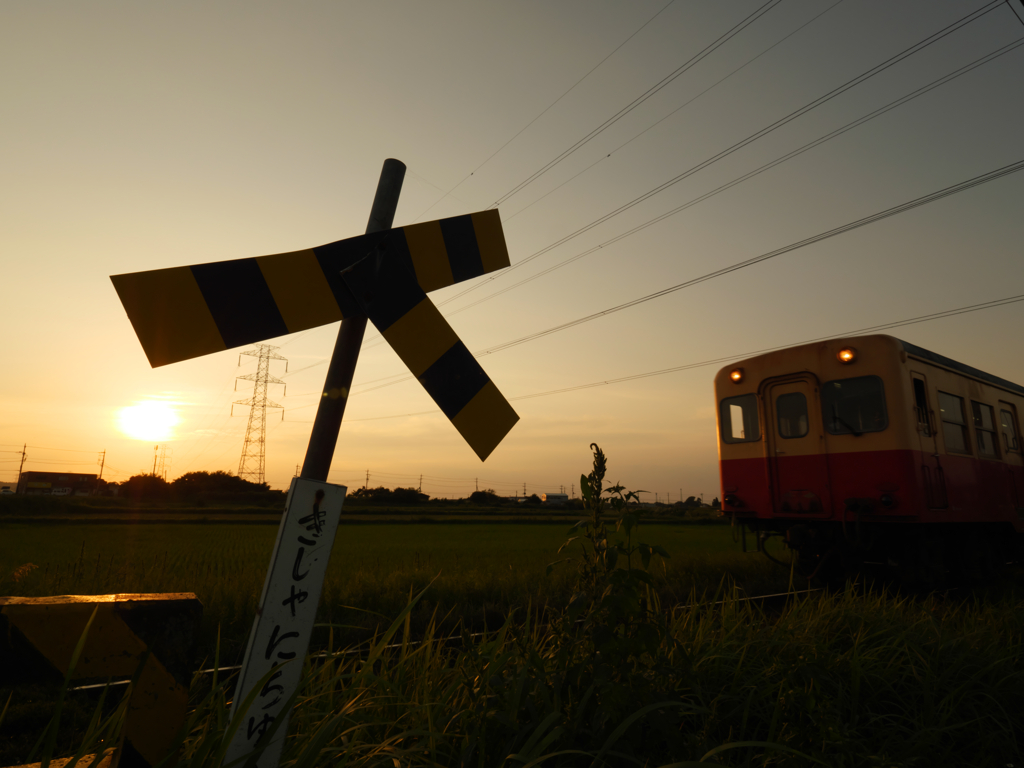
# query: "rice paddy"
479,571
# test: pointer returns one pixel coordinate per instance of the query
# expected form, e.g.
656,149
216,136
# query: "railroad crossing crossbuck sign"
185,312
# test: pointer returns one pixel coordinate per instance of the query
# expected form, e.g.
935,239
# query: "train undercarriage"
943,555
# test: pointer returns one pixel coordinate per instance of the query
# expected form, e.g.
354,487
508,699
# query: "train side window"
954,425
739,419
791,409
1008,426
854,406
921,406
985,430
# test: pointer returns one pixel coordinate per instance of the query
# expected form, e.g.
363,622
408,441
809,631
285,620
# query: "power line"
739,356
685,104
544,111
306,368
875,217
66,450
665,81
835,92
757,171
377,341
870,329
47,463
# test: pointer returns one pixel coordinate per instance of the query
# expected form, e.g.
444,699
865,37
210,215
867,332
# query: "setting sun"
150,420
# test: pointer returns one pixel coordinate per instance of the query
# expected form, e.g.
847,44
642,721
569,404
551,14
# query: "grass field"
845,680
482,570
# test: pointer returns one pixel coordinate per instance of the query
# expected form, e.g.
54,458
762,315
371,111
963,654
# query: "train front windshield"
854,406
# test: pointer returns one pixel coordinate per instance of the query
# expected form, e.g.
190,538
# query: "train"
869,452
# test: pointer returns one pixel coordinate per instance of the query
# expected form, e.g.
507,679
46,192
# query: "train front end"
815,438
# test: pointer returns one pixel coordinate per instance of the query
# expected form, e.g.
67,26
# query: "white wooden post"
284,618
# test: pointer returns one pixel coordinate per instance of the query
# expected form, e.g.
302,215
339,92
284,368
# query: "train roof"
911,349
934,357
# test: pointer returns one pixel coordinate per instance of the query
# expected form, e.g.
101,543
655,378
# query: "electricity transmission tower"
252,465
160,467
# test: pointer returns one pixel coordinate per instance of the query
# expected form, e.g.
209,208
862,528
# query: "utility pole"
524,490
99,478
252,464
366,485
477,484
156,449
297,469
419,488
573,486
22,465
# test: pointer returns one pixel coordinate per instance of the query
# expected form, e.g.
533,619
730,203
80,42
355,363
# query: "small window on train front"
739,419
854,406
792,412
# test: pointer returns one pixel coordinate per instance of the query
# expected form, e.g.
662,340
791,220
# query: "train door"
796,445
931,467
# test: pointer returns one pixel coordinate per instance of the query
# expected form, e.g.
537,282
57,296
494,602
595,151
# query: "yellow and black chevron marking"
43,632
390,294
185,312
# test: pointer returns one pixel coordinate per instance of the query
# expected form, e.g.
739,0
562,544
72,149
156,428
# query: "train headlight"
736,374
846,355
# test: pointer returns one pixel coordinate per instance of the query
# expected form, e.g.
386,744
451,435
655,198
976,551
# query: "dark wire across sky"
768,129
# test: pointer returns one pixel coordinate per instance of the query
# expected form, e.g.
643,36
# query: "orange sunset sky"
143,136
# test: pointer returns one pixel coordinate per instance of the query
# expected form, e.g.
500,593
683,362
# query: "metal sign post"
384,276
284,625
326,426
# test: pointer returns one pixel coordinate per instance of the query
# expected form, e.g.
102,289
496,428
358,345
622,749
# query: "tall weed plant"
612,645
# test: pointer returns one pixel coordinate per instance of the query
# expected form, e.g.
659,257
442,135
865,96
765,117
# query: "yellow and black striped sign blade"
155,630
185,312
390,295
